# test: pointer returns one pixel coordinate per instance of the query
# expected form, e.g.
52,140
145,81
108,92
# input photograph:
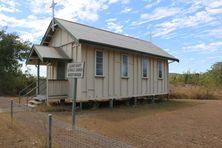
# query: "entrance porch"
55,85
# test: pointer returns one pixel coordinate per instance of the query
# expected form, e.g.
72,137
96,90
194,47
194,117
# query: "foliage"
211,78
214,75
13,51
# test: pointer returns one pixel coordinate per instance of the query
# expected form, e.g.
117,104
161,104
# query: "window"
124,66
144,67
160,69
99,63
61,70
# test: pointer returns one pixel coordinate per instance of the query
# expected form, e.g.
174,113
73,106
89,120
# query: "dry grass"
52,108
11,134
176,123
14,134
194,92
125,112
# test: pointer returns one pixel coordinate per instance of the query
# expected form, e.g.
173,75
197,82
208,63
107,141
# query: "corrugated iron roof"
91,34
50,52
45,52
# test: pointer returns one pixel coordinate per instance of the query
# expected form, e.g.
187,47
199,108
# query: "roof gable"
44,53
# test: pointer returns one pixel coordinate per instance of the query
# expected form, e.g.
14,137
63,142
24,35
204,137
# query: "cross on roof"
53,9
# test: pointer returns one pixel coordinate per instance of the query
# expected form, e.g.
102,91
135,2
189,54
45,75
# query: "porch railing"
50,88
32,90
57,88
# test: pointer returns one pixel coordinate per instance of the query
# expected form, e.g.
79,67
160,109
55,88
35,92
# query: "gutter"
112,46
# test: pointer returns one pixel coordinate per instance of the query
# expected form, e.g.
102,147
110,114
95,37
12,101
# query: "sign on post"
75,71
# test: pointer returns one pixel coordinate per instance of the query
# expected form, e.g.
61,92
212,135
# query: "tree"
215,74
13,51
211,79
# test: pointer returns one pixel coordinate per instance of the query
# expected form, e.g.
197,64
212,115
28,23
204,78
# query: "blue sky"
191,30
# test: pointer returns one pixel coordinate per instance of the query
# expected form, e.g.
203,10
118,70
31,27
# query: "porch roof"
46,54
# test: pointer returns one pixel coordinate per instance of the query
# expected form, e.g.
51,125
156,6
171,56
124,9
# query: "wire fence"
33,128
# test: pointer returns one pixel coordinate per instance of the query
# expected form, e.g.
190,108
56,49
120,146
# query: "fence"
33,128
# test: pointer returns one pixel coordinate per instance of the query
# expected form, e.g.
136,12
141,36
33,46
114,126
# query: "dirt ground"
180,123
174,123
12,135
30,129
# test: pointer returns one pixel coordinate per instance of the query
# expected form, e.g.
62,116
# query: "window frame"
147,67
99,50
159,62
60,70
122,55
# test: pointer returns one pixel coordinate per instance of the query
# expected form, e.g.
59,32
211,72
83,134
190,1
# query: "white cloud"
39,6
212,46
113,26
214,4
34,26
113,1
157,14
199,13
8,6
111,20
73,9
122,1
201,17
126,10
214,32
160,13
84,9
214,11
152,3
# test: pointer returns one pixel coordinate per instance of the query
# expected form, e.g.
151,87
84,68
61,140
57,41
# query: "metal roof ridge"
106,31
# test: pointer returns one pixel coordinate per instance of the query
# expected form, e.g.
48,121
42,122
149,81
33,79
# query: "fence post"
111,103
50,131
80,106
11,109
19,97
74,103
135,101
153,98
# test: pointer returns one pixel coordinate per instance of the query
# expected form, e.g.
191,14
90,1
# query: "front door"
61,70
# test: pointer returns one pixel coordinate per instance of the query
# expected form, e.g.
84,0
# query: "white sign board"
75,70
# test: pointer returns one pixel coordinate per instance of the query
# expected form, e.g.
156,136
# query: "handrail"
29,86
26,87
30,91
27,93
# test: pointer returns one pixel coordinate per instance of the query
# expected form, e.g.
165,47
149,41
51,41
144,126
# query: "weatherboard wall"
112,84
61,39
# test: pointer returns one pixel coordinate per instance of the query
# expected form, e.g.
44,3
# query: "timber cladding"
112,84
116,66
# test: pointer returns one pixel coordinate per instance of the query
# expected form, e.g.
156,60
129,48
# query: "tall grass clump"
206,85
192,92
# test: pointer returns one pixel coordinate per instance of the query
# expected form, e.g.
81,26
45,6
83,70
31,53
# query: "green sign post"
74,103
75,70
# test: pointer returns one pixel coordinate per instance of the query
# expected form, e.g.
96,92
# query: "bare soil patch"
180,123
174,123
